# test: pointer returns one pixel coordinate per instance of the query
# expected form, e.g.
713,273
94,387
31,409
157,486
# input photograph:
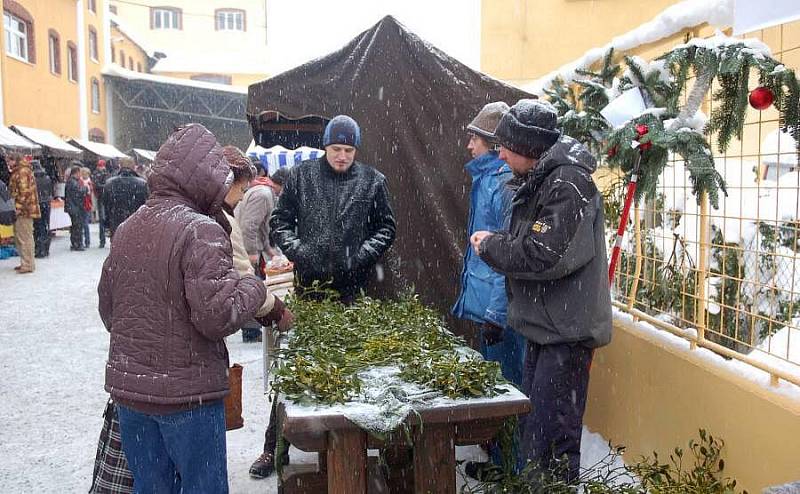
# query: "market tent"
413,103
52,144
144,154
279,157
13,142
98,149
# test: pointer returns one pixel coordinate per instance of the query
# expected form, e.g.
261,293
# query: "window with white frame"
95,96
16,36
54,49
93,44
72,61
230,20
165,18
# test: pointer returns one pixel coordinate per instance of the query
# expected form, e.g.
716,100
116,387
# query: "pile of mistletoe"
333,347
668,125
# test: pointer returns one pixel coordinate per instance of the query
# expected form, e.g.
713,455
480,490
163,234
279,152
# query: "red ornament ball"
612,152
645,146
761,98
642,129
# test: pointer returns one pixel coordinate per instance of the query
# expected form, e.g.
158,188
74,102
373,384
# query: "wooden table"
428,467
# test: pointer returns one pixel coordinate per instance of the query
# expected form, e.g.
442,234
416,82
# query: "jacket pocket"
563,304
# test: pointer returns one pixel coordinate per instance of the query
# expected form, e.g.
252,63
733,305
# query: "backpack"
8,208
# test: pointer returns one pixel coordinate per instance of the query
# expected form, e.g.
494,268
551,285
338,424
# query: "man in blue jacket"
483,291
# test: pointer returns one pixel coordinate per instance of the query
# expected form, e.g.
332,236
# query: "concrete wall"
650,396
525,39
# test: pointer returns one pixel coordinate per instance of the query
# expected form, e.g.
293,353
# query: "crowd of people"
186,269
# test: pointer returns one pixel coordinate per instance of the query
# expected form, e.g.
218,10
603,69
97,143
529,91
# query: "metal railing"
732,272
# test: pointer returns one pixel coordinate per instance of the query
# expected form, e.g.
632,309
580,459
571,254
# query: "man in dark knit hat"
554,259
334,219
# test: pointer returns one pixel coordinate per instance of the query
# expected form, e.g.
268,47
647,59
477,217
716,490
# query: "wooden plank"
347,462
434,459
399,469
477,431
303,479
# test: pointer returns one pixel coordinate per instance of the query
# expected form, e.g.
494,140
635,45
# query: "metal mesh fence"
732,273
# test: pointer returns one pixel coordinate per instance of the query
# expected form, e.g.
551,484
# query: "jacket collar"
486,163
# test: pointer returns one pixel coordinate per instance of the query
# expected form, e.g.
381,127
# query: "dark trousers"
271,434
556,379
101,215
76,229
41,231
182,452
87,237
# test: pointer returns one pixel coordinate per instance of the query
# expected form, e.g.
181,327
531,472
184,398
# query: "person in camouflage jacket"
22,185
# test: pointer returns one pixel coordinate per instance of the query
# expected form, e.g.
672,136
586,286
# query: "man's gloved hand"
285,322
279,315
492,333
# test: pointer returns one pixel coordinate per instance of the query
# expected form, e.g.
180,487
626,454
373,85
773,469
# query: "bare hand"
477,238
286,321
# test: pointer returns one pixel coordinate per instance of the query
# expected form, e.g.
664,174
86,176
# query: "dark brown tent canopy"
413,103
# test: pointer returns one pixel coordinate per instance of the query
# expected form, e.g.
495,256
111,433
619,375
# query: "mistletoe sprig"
332,343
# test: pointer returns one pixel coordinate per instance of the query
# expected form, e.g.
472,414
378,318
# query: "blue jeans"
510,353
87,217
182,452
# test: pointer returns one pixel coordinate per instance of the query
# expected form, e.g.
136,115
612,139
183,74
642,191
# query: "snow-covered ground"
52,358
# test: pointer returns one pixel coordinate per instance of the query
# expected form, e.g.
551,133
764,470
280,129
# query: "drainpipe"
83,110
2,90
107,60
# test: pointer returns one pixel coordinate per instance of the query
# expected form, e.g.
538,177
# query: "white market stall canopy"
12,141
106,151
146,154
280,157
54,145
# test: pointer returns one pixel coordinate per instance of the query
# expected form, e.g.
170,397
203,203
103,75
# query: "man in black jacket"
41,225
74,193
99,178
554,260
123,194
333,219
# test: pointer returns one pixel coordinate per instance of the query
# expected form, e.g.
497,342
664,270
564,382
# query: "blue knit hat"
342,130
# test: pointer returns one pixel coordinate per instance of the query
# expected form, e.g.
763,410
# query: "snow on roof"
46,138
228,61
779,148
117,71
99,148
685,14
132,35
145,153
12,140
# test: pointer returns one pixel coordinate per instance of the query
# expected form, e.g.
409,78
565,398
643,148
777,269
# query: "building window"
130,63
54,49
138,66
95,95
97,135
112,9
113,55
93,5
72,61
93,44
122,58
18,33
230,20
215,78
165,18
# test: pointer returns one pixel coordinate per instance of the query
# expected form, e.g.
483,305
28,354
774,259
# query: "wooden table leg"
347,462
435,459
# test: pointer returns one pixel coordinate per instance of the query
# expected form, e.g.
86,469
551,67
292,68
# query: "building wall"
648,395
522,40
32,95
198,37
122,45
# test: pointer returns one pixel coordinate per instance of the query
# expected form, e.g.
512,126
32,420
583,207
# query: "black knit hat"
342,130
528,128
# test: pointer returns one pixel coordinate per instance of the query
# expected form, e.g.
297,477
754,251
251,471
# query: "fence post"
637,229
702,271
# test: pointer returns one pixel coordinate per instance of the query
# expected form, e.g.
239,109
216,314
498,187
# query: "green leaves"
332,343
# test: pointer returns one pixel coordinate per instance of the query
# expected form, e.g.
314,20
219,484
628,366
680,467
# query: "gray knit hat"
487,119
529,128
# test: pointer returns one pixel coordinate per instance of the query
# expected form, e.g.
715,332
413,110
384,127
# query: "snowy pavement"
52,359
